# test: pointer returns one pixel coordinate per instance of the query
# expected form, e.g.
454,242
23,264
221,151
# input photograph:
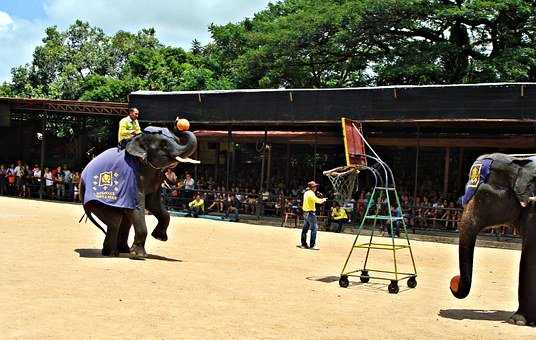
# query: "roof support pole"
263,158
314,158
416,164
287,164
43,139
460,169
446,172
229,135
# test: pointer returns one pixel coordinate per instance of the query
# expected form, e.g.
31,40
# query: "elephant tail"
90,217
88,214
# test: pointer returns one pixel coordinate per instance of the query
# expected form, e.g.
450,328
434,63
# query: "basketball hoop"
344,181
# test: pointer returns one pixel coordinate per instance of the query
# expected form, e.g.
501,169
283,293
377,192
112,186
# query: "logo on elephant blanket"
474,175
104,181
478,174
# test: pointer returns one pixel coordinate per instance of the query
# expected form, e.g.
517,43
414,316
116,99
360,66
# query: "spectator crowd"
22,180
428,210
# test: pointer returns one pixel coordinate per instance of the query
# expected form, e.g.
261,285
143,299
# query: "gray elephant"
118,185
500,192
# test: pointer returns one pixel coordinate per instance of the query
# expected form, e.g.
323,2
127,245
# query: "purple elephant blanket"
477,175
111,179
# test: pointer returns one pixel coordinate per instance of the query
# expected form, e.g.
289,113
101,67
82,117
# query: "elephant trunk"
188,148
460,285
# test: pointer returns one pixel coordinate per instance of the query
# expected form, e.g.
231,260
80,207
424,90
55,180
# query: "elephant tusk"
187,160
532,199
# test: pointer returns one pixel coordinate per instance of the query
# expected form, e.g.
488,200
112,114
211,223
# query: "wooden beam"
517,142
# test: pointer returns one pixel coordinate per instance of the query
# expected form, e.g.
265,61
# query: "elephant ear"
525,183
137,147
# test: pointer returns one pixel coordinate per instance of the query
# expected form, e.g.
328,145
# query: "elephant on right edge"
500,192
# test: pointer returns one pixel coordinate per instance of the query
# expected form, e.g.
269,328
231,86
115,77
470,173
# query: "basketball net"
344,182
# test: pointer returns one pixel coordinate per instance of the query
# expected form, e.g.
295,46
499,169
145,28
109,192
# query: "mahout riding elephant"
119,184
500,192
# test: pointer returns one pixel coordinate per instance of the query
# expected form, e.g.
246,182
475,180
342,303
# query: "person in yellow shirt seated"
338,215
128,127
309,214
196,207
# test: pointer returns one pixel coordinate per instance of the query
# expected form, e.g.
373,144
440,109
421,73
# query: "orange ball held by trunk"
182,124
454,283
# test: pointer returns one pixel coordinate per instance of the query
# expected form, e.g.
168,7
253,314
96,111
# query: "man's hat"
312,184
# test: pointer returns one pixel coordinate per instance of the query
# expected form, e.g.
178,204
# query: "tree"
307,43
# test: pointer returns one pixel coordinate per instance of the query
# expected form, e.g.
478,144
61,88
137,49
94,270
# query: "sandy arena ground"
231,280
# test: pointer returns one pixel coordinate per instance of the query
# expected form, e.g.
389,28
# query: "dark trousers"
195,211
309,222
340,224
233,212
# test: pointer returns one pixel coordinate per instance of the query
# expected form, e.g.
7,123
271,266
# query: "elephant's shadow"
96,253
475,314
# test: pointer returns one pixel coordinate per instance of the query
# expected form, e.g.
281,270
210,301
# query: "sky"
177,22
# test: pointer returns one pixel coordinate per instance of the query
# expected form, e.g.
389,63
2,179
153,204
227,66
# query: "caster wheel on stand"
364,276
412,282
343,281
393,287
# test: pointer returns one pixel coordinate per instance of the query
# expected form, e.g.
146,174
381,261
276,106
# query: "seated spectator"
218,203
338,215
395,212
251,202
232,208
196,207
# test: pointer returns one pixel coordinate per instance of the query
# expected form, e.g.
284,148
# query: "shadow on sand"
372,286
475,314
96,253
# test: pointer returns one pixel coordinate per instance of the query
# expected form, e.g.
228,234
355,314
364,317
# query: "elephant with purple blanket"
501,191
118,185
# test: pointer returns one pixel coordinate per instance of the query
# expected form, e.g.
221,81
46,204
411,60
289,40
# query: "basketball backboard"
354,146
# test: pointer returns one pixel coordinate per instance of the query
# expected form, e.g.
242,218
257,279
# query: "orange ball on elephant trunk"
454,283
182,124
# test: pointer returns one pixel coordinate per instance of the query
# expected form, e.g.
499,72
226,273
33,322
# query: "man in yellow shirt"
197,206
128,126
309,214
338,215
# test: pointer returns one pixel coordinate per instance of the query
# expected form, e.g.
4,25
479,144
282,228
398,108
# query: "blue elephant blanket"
477,175
111,178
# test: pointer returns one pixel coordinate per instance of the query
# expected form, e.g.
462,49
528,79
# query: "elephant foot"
124,248
518,319
159,234
137,252
109,252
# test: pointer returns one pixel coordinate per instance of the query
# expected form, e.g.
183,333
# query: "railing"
31,188
252,205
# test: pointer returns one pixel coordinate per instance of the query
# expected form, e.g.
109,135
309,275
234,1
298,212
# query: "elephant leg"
137,217
122,238
112,217
155,206
527,272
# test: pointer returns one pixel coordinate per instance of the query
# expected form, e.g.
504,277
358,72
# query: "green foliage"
308,43
84,63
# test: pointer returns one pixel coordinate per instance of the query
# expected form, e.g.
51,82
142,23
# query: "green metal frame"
394,275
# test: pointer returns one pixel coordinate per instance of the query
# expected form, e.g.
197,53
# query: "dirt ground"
215,279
